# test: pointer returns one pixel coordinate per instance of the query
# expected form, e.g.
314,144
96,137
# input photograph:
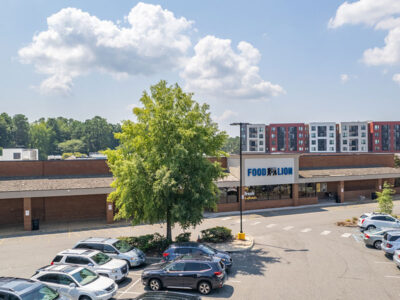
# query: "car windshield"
101,258
123,246
85,276
41,293
207,249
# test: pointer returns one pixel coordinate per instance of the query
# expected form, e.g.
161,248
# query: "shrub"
149,243
348,220
385,198
217,234
183,237
355,219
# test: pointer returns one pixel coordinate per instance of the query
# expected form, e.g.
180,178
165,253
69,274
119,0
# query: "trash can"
35,224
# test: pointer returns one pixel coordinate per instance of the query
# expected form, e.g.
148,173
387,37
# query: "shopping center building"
76,190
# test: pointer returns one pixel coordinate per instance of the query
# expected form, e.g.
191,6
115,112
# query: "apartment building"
254,138
322,137
288,138
353,136
384,136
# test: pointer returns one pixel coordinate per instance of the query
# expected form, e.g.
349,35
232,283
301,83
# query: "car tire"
84,298
128,263
370,227
377,245
204,287
155,284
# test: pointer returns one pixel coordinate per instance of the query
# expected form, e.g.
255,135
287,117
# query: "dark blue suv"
195,249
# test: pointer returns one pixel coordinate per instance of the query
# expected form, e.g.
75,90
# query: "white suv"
375,220
94,260
77,283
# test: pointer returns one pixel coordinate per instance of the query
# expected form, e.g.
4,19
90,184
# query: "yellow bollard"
241,236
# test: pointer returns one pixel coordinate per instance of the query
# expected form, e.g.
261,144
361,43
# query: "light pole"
241,124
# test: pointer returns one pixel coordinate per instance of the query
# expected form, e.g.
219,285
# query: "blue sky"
300,68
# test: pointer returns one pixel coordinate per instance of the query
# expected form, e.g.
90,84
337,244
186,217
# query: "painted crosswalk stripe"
255,223
270,225
306,230
226,219
287,228
346,235
326,232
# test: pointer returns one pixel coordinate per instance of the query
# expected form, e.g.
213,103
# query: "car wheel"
84,298
378,245
128,263
155,284
370,227
204,288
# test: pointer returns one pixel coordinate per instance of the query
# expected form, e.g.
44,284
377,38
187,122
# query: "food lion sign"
269,171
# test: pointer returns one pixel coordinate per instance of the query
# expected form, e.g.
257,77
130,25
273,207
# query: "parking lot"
298,254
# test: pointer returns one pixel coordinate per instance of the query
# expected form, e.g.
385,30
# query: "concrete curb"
225,246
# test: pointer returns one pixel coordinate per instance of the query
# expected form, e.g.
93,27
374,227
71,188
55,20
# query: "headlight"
133,258
99,293
115,270
224,259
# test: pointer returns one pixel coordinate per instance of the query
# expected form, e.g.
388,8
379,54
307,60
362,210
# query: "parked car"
166,295
396,258
94,260
374,220
177,249
114,248
12,288
77,283
391,242
203,274
374,236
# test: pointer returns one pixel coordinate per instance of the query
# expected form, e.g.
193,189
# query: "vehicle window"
389,219
379,218
394,238
83,246
363,216
77,260
64,280
175,267
190,266
183,251
101,258
197,251
57,258
207,249
52,278
99,247
109,249
41,293
7,296
123,246
204,267
85,276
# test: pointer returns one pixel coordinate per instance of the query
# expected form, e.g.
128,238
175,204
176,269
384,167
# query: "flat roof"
331,172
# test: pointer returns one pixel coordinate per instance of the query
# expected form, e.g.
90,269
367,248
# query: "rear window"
57,258
363,216
394,238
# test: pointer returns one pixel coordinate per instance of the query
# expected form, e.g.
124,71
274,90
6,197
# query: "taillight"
219,273
52,263
366,236
362,221
388,245
165,254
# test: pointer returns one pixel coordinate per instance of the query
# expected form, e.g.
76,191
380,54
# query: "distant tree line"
54,136
231,145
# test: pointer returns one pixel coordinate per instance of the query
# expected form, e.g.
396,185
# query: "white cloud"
217,70
381,15
77,43
344,78
226,115
396,78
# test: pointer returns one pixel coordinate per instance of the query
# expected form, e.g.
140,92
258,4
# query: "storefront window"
268,192
228,195
397,182
307,190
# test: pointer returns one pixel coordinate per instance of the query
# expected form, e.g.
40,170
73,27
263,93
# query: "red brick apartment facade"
384,137
288,138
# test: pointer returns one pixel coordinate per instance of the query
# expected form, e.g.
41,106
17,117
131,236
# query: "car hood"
222,254
113,264
100,283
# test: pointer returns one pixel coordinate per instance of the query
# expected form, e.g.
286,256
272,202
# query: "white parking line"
398,277
326,232
346,235
226,219
255,223
234,281
135,273
270,225
288,228
356,238
127,290
383,262
306,230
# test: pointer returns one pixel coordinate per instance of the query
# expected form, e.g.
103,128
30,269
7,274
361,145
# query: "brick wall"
11,211
345,160
268,204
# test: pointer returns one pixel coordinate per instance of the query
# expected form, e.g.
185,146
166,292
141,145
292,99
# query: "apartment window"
300,148
306,148
385,137
344,134
273,135
260,129
252,146
281,138
331,128
363,142
363,127
353,130
273,142
376,127
300,135
252,132
363,134
344,148
331,142
353,145
376,142
16,155
331,149
321,131
260,136
273,129
312,128
300,128
362,148
301,142
261,143
261,149
273,149
313,135
313,149
344,127
396,137
331,135
313,142
377,148
376,134
293,138
344,142
321,145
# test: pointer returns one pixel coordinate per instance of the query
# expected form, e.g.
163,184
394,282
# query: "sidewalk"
235,245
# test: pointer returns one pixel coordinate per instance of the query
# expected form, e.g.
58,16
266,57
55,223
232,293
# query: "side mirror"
72,285
90,265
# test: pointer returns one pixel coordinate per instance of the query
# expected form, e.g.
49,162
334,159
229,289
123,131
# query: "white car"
376,220
94,260
77,283
391,242
396,257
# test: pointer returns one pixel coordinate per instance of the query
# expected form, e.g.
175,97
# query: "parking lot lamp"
241,235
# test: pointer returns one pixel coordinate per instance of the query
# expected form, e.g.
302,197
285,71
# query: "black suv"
191,248
165,295
202,273
20,289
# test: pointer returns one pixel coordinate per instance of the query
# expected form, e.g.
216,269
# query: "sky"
265,62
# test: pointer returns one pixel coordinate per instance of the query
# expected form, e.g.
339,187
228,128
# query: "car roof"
18,285
197,258
82,252
99,240
168,295
391,233
185,244
67,269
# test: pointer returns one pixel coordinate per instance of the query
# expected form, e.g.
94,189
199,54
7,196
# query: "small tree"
385,199
161,171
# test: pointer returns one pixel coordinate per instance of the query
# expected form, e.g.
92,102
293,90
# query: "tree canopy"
161,169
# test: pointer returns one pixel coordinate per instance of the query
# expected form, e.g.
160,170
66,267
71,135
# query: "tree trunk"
169,225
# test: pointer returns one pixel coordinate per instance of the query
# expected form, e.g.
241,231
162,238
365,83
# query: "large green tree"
161,169
97,134
40,138
21,130
6,131
232,145
385,198
71,146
